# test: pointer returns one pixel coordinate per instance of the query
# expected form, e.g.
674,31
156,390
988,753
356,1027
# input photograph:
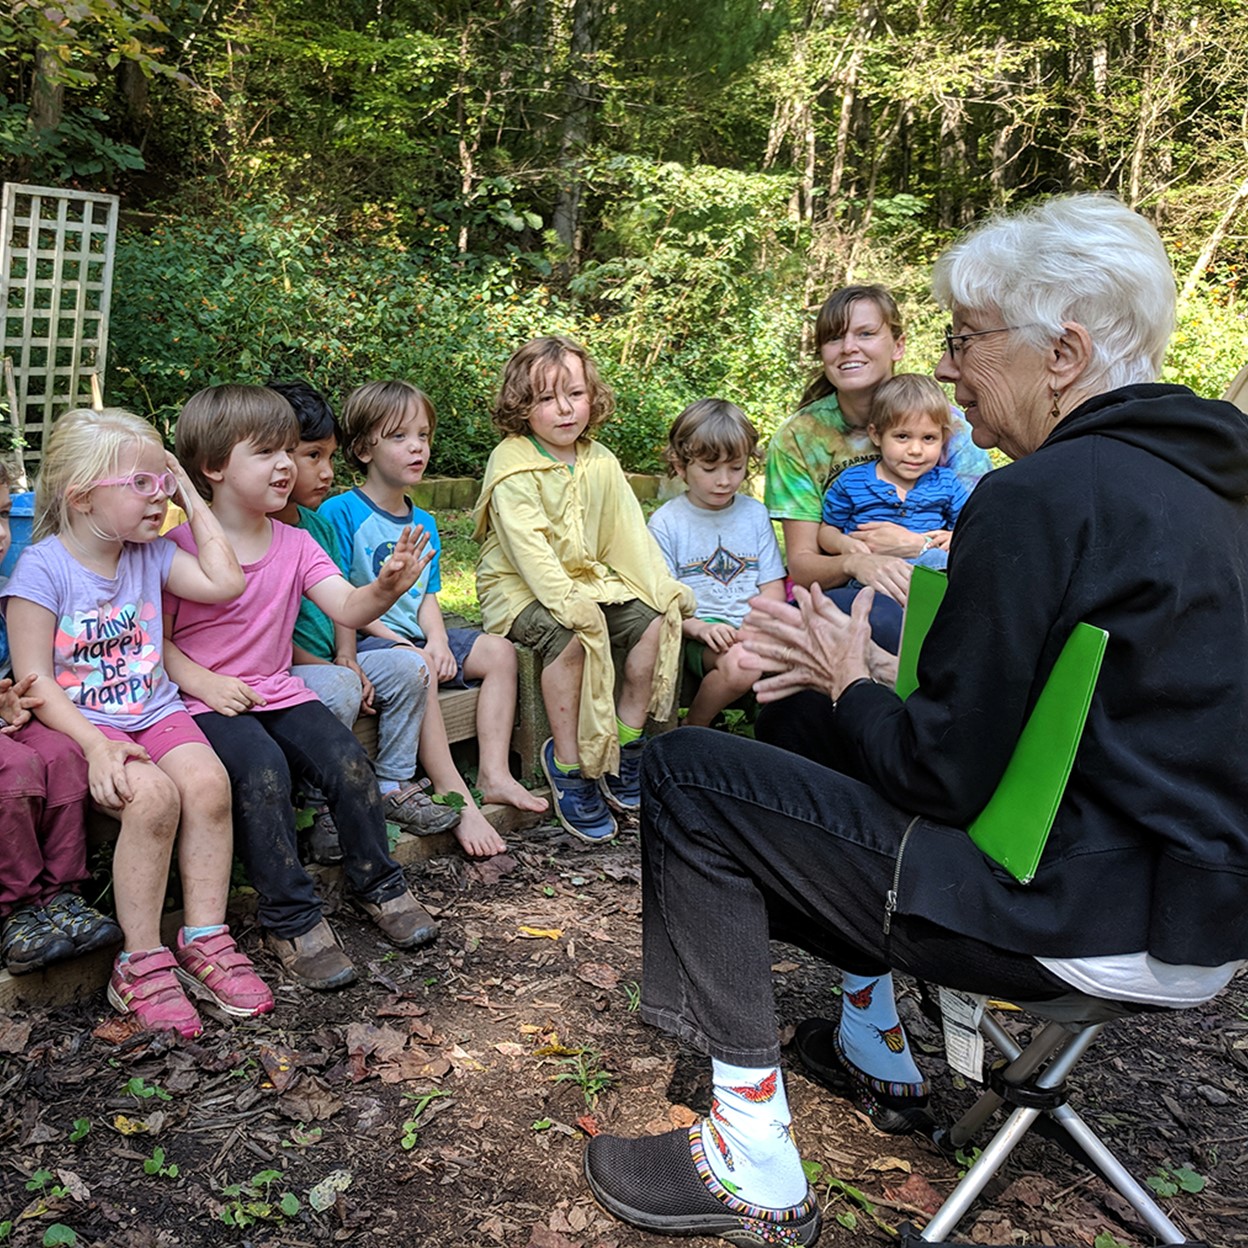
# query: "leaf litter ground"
445,1099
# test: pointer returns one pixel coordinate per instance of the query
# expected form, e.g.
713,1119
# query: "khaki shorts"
536,628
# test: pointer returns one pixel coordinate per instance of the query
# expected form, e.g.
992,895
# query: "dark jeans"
885,616
742,841
261,751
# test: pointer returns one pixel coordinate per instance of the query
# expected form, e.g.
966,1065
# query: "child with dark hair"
720,543
568,567
388,429
392,684
232,661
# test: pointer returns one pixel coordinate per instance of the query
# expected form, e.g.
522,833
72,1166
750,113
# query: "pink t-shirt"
251,637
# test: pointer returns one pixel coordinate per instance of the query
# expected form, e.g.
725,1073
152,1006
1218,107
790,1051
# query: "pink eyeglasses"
145,484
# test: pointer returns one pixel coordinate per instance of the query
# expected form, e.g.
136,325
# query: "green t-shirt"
314,630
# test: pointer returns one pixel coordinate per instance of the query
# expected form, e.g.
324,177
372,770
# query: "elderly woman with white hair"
1125,507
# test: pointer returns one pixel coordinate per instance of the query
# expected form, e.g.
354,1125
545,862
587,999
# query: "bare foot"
477,836
510,792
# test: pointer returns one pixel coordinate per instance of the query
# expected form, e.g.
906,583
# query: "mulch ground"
444,1100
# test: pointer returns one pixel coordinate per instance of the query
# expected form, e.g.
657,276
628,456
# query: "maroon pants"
43,801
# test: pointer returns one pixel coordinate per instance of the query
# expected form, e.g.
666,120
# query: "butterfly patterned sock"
745,1142
872,1037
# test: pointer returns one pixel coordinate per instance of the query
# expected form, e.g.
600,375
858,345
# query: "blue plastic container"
21,522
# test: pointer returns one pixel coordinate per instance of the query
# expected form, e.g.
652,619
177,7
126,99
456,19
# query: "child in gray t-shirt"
720,543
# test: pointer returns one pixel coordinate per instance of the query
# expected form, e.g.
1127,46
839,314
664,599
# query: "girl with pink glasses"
83,609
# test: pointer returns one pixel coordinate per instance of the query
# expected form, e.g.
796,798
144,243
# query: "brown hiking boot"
315,959
403,919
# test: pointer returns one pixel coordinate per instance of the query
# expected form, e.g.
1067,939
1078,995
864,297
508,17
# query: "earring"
1055,412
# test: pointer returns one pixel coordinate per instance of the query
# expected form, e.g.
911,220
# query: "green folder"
1014,826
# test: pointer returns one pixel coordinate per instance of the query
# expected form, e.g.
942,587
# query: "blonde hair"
377,408
525,374
217,419
84,447
909,394
709,430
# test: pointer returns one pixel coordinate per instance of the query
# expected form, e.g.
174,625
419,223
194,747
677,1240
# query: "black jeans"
742,841
261,751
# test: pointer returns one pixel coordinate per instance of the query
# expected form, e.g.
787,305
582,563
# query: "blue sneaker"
578,801
623,792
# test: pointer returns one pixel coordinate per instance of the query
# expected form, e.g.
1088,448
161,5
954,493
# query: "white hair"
1083,258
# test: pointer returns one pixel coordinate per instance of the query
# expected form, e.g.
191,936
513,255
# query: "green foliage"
253,1201
59,1234
1170,1181
586,1071
155,1165
412,1124
141,1090
41,1182
82,1128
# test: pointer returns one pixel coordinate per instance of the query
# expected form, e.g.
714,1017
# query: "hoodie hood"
1205,438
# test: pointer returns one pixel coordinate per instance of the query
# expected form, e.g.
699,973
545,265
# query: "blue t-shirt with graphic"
366,538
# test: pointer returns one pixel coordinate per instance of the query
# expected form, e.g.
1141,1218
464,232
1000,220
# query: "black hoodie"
1133,516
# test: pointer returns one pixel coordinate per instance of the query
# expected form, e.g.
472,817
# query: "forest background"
367,188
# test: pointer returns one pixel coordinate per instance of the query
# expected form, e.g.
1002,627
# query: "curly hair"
527,373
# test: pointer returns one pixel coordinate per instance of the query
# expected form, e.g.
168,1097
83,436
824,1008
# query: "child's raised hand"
227,695
16,703
187,496
106,771
411,555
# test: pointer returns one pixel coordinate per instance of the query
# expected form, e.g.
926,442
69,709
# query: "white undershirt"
1141,977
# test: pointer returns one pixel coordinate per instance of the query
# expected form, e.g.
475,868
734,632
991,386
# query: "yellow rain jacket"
571,539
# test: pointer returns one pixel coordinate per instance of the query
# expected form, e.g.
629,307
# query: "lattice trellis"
56,279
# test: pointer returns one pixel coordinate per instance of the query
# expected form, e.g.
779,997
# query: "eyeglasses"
955,343
145,484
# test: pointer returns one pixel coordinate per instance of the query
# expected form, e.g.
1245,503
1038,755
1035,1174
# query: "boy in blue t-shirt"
391,684
387,430
906,487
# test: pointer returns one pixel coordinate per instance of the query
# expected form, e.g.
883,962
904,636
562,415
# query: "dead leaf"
784,968
589,1124
414,1063
462,1059
542,933
281,1064
14,1036
682,1116
890,1163
494,869
325,1193
509,1048
118,1028
307,1100
398,1007
917,1192
150,1125
74,1186
599,974
544,1237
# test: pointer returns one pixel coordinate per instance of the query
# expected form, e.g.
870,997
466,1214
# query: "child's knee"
201,778
493,654
154,800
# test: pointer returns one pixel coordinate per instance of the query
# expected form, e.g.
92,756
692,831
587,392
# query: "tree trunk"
577,126
47,92
1214,241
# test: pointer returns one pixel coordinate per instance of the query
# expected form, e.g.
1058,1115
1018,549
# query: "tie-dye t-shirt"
107,651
